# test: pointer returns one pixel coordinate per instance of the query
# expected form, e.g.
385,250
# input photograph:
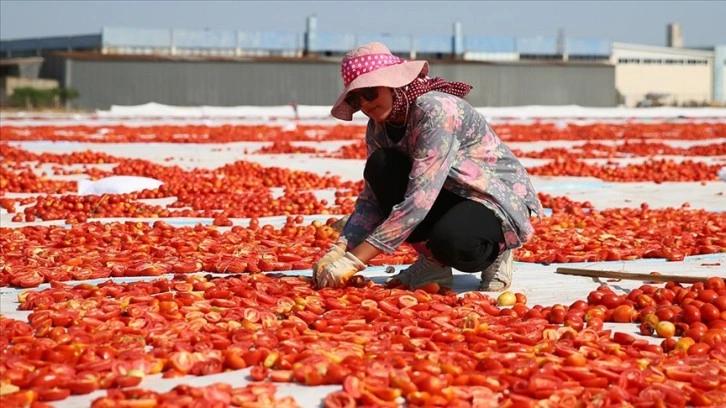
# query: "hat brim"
394,76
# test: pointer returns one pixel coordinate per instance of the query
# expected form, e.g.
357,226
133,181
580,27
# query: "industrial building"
129,66
671,74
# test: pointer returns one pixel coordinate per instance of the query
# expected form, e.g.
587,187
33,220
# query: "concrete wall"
684,83
686,75
102,83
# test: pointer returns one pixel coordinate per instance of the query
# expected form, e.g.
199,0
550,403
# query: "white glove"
337,273
334,253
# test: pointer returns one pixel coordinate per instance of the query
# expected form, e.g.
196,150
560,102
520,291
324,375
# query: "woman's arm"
365,252
367,215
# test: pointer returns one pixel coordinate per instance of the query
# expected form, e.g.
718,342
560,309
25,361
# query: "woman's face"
376,103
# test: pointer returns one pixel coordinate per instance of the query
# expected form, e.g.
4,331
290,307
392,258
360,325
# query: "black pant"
461,233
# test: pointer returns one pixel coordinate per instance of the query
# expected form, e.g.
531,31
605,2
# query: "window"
629,60
661,61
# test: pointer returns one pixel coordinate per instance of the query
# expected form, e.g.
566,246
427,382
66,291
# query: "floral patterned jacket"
451,146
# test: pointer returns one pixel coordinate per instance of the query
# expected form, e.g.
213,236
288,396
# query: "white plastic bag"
117,185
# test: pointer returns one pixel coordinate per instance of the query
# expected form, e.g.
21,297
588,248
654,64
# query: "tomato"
575,360
611,300
679,373
595,323
259,373
714,336
716,283
339,399
124,381
691,314
281,376
709,312
699,349
47,379
624,314
83,384
684,343
557,316
665,329
388,307
696,331
623,338
720,303
665,314
182,361
506,298
52,394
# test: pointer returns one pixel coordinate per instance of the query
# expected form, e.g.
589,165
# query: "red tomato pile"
36,254
611,131
657,171
238,176
22,179
573,233
381,344
582,234
384,345
286,147
357,150
218,395
628,149
266,133
697,314
181,133
74,209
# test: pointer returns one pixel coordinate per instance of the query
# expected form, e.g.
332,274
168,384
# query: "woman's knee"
386,162
374,165
466,254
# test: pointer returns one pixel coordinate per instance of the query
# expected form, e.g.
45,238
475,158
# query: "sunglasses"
353,98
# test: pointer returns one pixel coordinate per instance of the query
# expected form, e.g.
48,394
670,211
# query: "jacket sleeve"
367,215
435,147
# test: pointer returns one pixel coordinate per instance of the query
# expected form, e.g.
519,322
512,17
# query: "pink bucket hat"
373,65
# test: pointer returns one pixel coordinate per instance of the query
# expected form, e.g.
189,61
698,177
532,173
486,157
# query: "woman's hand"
334,253
337,273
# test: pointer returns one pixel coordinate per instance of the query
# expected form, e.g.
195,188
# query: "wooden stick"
628,275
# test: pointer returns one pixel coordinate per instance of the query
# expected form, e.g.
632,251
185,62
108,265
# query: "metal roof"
128,37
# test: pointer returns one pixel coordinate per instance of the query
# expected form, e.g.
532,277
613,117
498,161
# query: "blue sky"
627,21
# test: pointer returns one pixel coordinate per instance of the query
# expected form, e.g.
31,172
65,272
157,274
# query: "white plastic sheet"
117,185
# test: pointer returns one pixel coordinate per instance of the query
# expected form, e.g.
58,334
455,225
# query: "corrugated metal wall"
535,84
102,83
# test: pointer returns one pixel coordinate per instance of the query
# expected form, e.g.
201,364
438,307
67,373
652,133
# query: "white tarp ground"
117,185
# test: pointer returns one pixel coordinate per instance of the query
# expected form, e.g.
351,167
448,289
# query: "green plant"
66,95
29,97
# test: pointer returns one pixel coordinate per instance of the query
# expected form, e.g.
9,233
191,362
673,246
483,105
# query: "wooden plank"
593,273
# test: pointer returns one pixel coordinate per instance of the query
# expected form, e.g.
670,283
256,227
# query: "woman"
437,176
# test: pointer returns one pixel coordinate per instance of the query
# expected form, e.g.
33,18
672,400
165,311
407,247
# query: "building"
526,71
671,75
21,73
